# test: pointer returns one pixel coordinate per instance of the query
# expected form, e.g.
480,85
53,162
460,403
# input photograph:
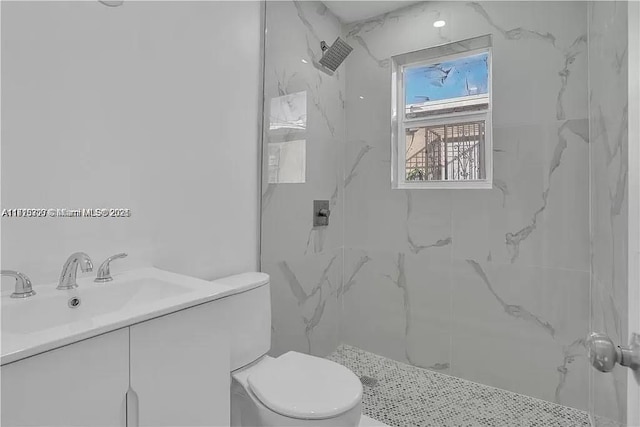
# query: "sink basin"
52,309
46,320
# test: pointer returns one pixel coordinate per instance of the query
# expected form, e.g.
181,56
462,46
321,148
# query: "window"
442,116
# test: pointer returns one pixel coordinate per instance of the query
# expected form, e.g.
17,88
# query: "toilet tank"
248,311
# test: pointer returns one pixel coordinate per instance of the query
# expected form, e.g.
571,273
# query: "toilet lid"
306,387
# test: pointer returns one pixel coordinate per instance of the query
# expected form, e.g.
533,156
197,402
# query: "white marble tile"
375,215
374,314
287,219
304,301
609,165
398,305
543,61
534,220
305,263
529,235
404,220
537,212
524,48
429,227
287,208
521,329
482,219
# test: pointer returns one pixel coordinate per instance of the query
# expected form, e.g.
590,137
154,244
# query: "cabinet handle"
133,418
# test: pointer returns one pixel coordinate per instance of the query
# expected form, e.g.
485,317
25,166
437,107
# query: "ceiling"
352,11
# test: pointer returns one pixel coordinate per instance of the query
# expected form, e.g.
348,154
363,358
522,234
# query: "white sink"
51,309
46,321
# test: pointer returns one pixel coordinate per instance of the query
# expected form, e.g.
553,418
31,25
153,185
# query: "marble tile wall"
488,285
493,286
305,264
609,207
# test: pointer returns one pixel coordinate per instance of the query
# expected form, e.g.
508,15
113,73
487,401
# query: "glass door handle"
604,354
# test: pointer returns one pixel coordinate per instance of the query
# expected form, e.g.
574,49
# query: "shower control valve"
321,213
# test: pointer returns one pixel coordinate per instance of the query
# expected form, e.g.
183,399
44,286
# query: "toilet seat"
300,386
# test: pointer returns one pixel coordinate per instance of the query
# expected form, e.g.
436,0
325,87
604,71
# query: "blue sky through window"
451,79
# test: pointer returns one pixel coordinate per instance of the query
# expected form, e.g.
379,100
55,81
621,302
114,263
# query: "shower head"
333,56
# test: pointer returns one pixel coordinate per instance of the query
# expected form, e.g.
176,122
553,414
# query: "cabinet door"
82,384
180,369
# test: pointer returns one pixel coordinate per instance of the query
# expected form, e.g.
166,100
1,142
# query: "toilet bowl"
295,390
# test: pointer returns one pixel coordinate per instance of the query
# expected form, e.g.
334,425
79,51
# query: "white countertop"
44,322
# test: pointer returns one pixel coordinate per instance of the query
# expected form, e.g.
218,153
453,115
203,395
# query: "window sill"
444,185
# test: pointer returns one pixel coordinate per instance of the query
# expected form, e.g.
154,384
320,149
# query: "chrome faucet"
70,270
104,273
23,284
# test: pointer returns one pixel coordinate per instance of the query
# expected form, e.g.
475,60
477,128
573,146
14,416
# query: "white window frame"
399,123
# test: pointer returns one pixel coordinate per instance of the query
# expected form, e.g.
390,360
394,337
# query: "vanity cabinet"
82,384
180,369
173,370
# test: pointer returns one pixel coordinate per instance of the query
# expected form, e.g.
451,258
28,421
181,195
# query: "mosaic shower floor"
403,395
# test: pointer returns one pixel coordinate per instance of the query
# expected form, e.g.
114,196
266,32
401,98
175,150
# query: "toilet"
293,389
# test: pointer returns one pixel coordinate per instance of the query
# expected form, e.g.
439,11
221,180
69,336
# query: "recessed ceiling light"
304,61
361,97
439,24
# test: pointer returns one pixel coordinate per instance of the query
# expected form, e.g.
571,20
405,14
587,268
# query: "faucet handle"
104,273
23,284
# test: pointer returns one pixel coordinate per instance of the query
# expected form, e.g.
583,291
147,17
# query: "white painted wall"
148,106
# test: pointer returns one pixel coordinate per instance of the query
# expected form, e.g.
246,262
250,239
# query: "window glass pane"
445,80
447,152
445,87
